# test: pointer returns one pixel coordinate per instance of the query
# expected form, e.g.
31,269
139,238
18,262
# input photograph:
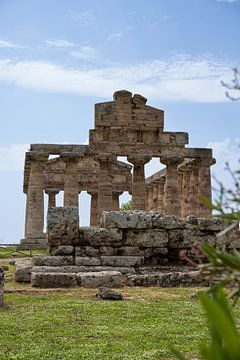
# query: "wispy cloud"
59,43
229,1
85,18
12,156
5,44
115,36
227,150
175,79
85,53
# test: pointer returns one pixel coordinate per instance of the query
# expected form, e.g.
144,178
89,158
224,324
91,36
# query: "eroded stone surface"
122,261
112,279
53,260
53,280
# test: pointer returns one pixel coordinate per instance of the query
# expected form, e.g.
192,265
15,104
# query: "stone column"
171,189
155,194
94,208
105,179
138,181
205,188
115,200
150,197
186,188
160,202
71,190
194,202
51,197
35,199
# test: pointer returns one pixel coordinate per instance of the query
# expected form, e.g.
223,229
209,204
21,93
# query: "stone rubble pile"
135,248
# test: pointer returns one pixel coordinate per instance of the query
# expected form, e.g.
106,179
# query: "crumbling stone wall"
133,238
132,248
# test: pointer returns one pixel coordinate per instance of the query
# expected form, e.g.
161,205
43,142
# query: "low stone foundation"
134,248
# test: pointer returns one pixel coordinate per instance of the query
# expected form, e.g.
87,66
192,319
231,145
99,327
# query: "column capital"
171,160
51,191
92,192
207,162
139,159
117,192
105,158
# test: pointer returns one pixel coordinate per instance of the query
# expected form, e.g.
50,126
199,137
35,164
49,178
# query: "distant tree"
126,206
234,85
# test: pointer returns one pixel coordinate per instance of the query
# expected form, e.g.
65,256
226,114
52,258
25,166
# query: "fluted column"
71,190
149,190
35,198
115,200
105,179
155,194
205,188
51,197
138,181
94,208
186,191
160,202
171,189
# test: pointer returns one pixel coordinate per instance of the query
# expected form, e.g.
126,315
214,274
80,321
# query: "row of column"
166,195
179,191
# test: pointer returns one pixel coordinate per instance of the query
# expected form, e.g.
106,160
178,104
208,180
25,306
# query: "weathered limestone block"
63,226
62,250
126,219
167,279
87,261
53,280
23,270
108,251
129,251
81,269
86,251
166,222
147,238
184,239
53,260
60,269
1,285
205,224
112,279
108,294
97,237
122,261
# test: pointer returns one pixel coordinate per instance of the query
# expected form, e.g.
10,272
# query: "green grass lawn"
72,324
11,251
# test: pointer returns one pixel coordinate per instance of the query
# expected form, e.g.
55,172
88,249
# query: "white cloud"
4,44
229,1
12,156
59,43
85,53
225,151
176,79
115,37
84,19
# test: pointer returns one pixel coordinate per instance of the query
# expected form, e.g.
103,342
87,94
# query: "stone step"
167,279
115,261
110,279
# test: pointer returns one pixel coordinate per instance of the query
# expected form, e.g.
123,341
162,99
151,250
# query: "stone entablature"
127,127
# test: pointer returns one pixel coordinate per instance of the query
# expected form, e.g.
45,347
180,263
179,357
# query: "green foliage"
126,206
224,341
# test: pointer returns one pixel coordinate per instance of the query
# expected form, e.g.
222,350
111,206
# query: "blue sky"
58,58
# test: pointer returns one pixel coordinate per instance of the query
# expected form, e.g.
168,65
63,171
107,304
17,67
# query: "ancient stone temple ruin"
125,127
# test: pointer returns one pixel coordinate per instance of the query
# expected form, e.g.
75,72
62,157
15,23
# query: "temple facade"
124,127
